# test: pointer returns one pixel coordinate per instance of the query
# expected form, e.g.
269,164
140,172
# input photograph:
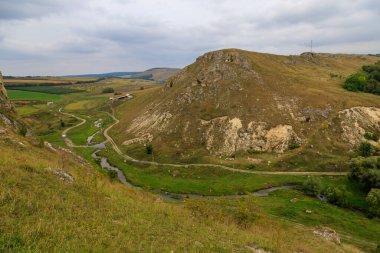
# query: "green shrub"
108,90
371,136
23,131
149,149
251,166
366,172
27,168
373,199
62,123
112,175
365,149
245,212
337,195
368,81
355,82
312,186
294,146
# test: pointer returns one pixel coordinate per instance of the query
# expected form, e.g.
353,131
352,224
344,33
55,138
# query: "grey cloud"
68,35
24,9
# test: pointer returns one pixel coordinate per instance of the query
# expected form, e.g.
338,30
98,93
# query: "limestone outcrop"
356,121
7,111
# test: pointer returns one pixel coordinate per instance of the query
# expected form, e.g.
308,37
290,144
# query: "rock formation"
356,121
7,110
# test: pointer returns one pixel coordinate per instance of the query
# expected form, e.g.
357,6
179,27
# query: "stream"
179,197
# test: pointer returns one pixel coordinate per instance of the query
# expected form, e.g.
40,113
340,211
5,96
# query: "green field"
28,95
44,89
29,109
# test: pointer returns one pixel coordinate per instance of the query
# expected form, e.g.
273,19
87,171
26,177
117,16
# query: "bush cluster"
366,172
365,149
336,195
367,81
371,136
373,198
108,90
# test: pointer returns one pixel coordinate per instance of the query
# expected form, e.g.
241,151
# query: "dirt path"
131,159
67,140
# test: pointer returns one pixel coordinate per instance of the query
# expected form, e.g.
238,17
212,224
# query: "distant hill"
156,74
103,75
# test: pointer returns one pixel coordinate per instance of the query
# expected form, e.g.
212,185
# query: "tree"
365,149
62,123
337,195
366,171
373,199
312,186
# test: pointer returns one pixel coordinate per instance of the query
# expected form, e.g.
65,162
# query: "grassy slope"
41,213
351,226
324,214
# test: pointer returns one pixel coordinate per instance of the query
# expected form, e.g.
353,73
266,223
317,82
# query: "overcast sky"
56,37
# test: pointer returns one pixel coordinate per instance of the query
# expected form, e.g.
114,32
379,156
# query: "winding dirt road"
131,159
127,157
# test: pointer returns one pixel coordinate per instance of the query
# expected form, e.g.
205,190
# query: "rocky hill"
7,110
233,101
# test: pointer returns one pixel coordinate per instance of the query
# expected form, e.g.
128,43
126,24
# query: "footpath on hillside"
110,140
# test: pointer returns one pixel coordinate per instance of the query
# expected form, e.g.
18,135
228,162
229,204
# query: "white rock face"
222,135
155,121
3,93
226,136
6,108
356,121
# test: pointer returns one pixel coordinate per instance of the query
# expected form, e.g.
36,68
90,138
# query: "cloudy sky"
56,37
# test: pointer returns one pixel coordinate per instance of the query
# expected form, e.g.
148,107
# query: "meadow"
44,89
28,95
